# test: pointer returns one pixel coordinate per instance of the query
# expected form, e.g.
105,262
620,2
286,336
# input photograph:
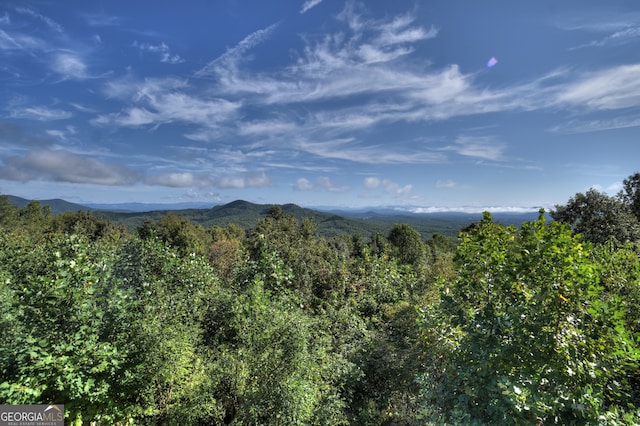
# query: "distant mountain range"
56,205
245,214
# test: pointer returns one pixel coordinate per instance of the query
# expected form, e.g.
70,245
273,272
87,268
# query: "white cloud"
341,149
228,61
99,20
303,184
266,127
485,148
64,166
614,187
40,113
62,134
161,49
20,42
626,35
309,4
445,184
70,66
128,88
48,21
369,42
349,81
585,126
612,88
474,209
160,101
326,183
387,186
252,180
180,180
372,182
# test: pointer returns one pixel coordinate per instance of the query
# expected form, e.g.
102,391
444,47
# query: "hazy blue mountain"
56,205
147,207
330,222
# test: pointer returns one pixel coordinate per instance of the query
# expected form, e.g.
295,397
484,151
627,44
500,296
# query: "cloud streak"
48,21
346,82
40,113
64,166
191,180
309,4
162,50
229,60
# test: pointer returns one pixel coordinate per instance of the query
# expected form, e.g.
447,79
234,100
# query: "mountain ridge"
246,214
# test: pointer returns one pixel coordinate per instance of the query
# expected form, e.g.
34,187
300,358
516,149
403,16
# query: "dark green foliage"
278,324
407,244
631,194
8,213
112,335
86,224
179,233
599,217
526,333
247,215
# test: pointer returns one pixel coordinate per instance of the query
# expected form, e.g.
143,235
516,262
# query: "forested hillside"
329,224
183,324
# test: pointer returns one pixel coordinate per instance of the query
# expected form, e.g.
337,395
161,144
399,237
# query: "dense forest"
180,324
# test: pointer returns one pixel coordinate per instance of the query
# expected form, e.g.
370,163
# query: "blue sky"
319,103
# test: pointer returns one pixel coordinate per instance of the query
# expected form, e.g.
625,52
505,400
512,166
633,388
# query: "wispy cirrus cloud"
160,49
348,81
610,88
40,113
446,184
48,51
70,66
159,101
597,125
480,147
62,134
50,23
349,150
613,29
309,4
101,20
20,42
228,61
627,35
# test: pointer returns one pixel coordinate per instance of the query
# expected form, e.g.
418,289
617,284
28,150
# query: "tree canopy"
599,217
179,324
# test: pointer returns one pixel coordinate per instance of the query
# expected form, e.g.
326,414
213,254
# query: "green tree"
227,250
180,233
599,217
35,218
110,329
8,213
407,244
524,334
87,224
631,193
